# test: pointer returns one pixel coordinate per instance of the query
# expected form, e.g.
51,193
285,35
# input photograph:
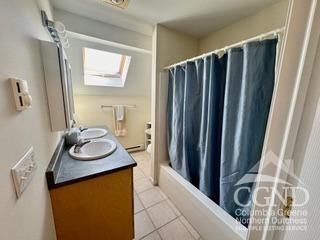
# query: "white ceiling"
195,17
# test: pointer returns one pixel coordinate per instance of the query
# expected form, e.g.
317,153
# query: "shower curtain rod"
259,37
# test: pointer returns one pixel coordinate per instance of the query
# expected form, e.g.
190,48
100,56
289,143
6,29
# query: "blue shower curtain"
217,114
249,89
196,94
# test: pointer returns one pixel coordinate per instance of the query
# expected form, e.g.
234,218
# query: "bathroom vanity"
92,199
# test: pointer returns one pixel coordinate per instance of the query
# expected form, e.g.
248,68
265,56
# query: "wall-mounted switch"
23,172
21,94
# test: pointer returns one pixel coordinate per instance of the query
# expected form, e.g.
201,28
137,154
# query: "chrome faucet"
79,145
81,128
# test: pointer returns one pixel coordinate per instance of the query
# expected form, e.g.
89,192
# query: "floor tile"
137,204
137,174
140,156
193,232
143,225
142,184
151,197
144,164
153,210
162,193
161,214
146,171
174,208
152,236
141,160
175,230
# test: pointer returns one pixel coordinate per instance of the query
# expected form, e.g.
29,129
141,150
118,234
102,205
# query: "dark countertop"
63,170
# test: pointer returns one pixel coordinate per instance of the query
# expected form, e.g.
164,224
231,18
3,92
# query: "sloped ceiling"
198,18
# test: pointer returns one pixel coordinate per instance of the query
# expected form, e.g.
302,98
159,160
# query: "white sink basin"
95,149
92,133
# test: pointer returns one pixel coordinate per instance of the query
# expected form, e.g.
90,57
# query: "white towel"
119,115
119,112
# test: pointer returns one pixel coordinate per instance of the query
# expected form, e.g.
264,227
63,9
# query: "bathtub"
211,221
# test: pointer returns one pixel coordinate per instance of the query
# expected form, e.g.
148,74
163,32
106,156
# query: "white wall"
90,27
29,217
263,21
137,88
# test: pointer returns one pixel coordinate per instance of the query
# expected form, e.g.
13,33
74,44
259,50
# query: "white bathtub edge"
211,221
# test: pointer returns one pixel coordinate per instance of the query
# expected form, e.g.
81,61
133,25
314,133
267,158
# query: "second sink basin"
95,149
92,133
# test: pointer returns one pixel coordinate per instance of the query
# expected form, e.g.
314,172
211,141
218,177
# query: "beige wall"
89,113
263,21
30,217
173,46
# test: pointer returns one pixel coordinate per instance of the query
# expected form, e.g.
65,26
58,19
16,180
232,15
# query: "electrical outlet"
23,172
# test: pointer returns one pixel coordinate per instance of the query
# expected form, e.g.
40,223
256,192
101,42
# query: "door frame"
296,62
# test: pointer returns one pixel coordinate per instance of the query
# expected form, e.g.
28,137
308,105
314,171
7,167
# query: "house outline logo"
271,159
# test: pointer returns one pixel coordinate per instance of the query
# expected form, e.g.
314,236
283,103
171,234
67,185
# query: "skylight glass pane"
103,68
98,62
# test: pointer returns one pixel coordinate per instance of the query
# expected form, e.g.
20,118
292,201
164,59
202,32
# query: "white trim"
159,152
83,37
291,86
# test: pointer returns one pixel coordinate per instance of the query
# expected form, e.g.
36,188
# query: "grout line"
154,226
150,234
147,189
165,199
140,211
145,208
151,217
167,224
177,217
157,228
144,190
190,225
152,204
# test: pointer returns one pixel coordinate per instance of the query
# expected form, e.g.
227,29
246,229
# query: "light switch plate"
23,172
21,94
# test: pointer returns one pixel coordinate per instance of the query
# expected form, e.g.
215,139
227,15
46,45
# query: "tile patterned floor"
156,217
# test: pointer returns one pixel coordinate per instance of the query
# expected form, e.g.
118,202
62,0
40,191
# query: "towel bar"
110,106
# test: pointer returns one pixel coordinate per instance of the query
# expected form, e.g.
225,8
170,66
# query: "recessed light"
118,3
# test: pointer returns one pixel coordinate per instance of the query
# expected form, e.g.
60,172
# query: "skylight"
103,68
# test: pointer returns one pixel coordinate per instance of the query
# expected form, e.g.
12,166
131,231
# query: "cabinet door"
97,208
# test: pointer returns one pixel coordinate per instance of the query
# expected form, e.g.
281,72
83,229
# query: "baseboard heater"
135,148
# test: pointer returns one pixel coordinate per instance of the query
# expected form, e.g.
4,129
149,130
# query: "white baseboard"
135,148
